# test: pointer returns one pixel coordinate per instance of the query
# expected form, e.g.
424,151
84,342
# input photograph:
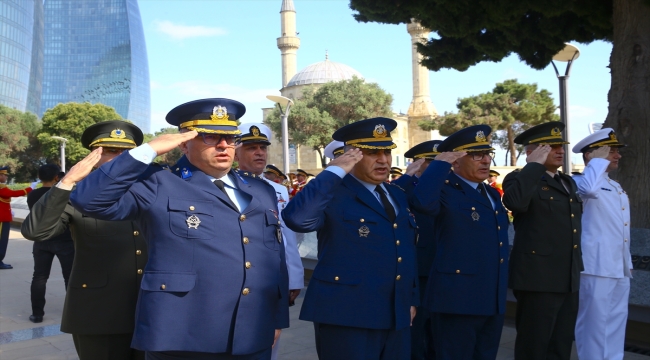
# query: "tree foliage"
69,121
510,106
325,108
19,148
170,158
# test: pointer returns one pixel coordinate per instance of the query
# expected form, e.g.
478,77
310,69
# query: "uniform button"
501,261
398,277
551,198
570,200
457,271
248,265
163,287
533,251
394,226
362,220
446,181
625,240
575,231
397,242
138,252
473,208
575,246
500,244
242,218
136,233
625,224
572,215
622,208
245,292
496,212
84,286
498,227
245,240
336,278
192,208
399,259
139,271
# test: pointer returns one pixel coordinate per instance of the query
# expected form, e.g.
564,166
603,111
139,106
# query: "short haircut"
48,172
530,147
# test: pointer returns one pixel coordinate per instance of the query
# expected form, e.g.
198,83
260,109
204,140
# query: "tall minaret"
288,43
421,104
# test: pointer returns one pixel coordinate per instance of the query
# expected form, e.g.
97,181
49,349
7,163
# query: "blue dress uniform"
467,287
421,337
216,280
365,283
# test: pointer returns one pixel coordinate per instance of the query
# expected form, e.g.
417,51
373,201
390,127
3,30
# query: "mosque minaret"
288,42
421,104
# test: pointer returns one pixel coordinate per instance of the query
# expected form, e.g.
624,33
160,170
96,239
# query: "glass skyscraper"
21,53
95,52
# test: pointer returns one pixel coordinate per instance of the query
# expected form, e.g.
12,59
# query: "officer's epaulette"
397,186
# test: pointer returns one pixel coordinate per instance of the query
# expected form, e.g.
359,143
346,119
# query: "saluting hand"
168,142
348,160
414,167
600,153
82,168
450,156
539,155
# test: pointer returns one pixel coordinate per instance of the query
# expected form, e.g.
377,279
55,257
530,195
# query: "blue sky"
227,48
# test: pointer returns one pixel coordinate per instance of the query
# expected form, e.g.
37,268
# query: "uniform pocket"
336,276
168,281
192,219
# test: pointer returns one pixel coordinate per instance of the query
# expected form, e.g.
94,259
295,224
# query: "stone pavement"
22,340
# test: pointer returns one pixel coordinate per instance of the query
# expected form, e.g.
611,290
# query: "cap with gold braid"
254,133
4,170
602,137
368,134
396,171
113,133
274,170
470,139
549,133
427,150
213,116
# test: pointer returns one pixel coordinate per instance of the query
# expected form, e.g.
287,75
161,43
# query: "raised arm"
519,187
588,182
50,216
426,196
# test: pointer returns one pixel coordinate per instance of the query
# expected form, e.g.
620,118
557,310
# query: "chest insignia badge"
364,231
193,222
545,188
475,216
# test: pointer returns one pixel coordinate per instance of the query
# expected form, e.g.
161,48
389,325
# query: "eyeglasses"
112,150
480,155
214,139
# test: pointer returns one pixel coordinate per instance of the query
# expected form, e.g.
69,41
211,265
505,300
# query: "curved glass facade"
95,52
17,24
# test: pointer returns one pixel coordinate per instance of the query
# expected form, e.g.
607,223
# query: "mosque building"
406,135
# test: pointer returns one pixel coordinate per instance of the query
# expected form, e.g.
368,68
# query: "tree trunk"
629,103
505,162
511,145
323,163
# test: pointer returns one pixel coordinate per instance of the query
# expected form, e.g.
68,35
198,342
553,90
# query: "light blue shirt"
145,154
371,187
475,186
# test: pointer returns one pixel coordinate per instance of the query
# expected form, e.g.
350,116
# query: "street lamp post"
568,55
63,141
286,102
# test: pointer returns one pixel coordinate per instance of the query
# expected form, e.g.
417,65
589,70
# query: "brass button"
572,215
457,271
242,218
533,251
473,208
496,212
398,277
245,292
397,242
192,208
446,181
500,244
336,278
84,286
245,240
139,271
362,220
248,265
163,287
394,226
570,200
399,259
498,227
501,261
575,231
138,252
551,198
575,246
136,233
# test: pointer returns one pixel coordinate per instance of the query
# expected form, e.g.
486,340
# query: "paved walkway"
22,340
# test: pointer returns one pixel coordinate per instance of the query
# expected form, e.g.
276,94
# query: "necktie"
483,191
221,187
390,211
559,181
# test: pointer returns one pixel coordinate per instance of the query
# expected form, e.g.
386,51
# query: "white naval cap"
602,137
254,132
334,149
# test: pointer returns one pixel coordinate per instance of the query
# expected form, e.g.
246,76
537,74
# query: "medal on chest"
193,222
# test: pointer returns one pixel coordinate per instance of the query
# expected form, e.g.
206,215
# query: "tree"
171,157
69,121
471,31
511,107
325,108
18,146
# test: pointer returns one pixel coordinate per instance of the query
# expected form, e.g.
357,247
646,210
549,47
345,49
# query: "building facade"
21,54
95,52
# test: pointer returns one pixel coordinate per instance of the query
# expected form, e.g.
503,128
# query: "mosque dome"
323,72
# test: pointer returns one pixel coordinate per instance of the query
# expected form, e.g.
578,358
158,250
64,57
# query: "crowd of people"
200,261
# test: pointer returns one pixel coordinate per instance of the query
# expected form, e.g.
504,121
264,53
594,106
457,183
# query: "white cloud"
180,32
579,111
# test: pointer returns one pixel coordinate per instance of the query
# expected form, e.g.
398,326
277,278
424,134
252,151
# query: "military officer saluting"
363,292
100,302
605,282
467,287
216,285
546,258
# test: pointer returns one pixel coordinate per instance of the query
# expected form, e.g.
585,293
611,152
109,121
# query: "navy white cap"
602,137
334,149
